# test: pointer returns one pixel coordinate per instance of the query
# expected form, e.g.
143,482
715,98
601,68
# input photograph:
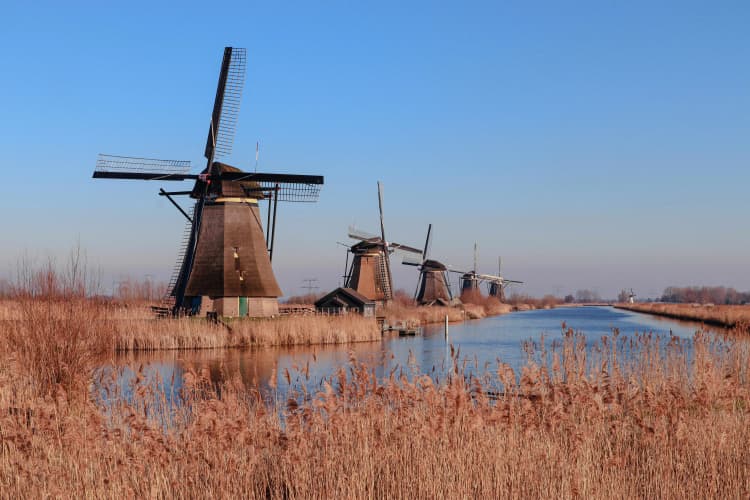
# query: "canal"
480,345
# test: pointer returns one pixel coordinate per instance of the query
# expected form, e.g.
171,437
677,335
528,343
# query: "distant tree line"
705,295
583,296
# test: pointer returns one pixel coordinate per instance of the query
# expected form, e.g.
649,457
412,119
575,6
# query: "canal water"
481,344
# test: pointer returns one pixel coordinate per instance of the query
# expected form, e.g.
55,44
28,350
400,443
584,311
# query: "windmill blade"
288,187
410,260
380,209
513,281
427,242
457,271
388,291
227,103
110,166
356,234
404,248
490,277
239,176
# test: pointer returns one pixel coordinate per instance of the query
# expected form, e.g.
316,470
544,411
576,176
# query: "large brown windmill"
224,256
433,286
370,272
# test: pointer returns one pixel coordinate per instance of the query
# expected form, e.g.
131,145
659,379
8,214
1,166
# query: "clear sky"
591,144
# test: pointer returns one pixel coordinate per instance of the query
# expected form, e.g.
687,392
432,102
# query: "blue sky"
591,144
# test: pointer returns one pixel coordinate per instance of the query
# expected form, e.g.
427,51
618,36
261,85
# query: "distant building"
346,300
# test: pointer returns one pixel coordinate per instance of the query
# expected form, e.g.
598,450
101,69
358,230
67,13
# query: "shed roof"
348,294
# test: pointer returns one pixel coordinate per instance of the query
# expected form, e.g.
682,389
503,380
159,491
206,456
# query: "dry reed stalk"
123,327
630,417
194,333
722,315
56,342
420,315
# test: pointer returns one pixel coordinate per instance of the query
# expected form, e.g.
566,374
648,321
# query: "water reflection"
481,343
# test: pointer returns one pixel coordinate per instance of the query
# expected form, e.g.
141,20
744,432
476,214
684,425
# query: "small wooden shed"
346,300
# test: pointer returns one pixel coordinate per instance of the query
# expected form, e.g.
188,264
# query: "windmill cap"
229,188
434,265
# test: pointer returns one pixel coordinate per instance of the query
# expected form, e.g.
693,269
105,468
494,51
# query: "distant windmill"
370,272
224,255
496,285
433,286
631,297
470,280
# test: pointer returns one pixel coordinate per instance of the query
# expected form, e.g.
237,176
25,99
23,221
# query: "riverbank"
619,420
123,327
724,316
117,328
422,316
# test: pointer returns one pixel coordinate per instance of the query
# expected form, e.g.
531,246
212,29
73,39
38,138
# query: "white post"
446,327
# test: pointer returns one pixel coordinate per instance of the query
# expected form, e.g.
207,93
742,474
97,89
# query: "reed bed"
643,417
421,315
118,327
721,315
188,333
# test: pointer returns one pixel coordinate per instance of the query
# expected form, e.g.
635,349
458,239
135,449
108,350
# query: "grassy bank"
481,307
726,316
619,421
132,326
117,327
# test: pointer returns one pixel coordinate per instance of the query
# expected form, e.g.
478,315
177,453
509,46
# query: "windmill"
224,254
631,297
496,285
433,286
470,280
370,271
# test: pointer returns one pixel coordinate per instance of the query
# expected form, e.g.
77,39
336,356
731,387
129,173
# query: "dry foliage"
195,333
628,418
124,327
475,305
728,316
547,302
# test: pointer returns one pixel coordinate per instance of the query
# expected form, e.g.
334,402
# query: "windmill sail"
226,104
411,260
118,164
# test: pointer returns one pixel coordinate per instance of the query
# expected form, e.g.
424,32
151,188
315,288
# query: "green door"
243,306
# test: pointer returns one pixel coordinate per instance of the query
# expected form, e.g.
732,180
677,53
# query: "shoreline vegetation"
728,316
47,296
638,417
68,297
645,418
124,327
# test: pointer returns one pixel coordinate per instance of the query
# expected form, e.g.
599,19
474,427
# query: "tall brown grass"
475,305
195,333
51,328
122,326
626,419
728,316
